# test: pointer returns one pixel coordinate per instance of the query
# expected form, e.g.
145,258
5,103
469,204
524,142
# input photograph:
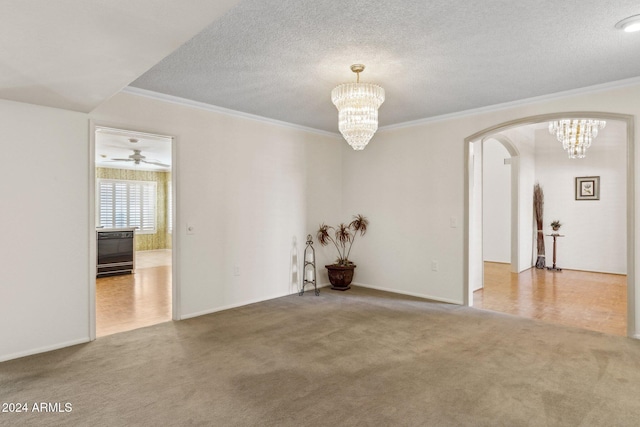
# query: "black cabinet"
115,251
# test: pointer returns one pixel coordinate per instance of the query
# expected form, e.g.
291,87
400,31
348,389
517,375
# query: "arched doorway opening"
473,196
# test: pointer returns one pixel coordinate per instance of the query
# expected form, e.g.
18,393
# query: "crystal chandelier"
357,105
576,134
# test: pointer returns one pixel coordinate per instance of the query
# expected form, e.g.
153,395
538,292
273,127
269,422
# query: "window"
127,204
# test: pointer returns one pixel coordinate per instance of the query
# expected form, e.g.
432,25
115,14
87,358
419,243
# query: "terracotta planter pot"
340,276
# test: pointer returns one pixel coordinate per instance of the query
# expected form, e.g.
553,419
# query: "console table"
555,236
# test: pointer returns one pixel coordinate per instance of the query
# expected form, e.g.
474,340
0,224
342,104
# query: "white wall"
44,292
248,188
410,183
496,193
595,231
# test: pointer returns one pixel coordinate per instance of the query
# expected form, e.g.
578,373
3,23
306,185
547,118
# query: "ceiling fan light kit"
357,105
630,24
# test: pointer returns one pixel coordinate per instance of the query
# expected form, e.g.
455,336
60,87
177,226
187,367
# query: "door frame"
175,238
472,256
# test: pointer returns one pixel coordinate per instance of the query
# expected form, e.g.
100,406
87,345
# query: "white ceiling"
280,59
75,54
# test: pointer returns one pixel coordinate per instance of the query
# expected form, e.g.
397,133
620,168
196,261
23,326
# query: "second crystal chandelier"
576,134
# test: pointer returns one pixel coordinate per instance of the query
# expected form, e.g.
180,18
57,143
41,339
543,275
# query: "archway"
473,238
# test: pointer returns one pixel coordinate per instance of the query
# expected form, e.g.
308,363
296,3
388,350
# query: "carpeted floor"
358,358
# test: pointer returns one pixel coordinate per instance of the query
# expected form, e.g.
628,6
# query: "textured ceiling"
280,59
75,54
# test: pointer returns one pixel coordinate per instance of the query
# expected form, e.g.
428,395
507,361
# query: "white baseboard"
413,294
4,358
230,306
243,303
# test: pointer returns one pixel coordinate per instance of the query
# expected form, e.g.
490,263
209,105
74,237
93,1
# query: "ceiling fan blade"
155,163
122,160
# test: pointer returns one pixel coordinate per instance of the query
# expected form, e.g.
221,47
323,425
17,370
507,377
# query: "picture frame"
588,188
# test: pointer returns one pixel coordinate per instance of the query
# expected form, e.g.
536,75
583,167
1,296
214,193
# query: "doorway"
134,195
475,267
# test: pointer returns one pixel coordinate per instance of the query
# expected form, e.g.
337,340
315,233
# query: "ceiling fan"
136,157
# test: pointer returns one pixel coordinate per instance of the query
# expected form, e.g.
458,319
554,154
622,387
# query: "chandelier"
576,134
357,105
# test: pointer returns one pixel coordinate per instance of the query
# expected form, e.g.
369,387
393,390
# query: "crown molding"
214,108
488,109
522,102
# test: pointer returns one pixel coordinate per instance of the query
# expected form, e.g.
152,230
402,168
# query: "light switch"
453,222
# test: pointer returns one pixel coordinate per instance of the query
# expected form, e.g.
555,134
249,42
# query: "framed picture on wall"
588,188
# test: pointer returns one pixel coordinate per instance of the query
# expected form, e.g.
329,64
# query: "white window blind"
127,204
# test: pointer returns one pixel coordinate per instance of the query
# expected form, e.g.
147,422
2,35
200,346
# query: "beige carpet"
358,358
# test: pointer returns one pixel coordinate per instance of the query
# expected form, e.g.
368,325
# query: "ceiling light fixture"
630,24
357,105
576,134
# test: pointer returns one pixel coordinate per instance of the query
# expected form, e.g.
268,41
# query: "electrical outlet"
434,265
236,270
453,222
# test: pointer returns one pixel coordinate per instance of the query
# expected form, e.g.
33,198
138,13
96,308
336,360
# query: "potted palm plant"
342,237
